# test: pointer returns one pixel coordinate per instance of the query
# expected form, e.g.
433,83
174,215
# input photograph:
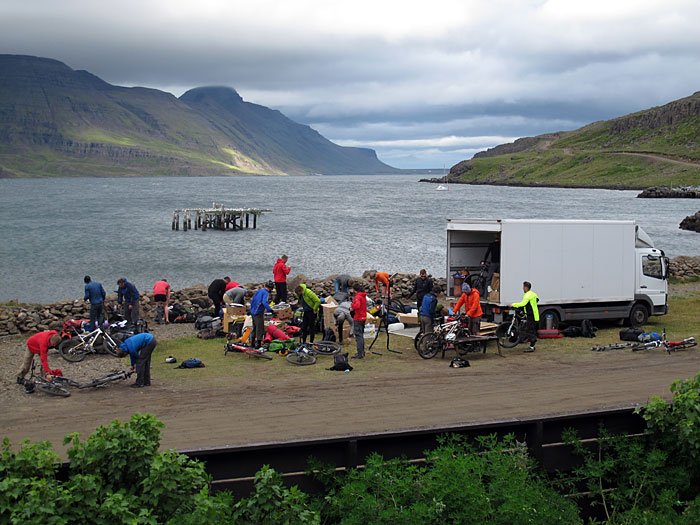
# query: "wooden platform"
218,217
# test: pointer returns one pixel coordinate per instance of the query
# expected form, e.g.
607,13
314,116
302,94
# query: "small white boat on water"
442,188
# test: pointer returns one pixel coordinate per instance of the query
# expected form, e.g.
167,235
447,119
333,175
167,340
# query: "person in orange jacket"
384,279
474,311
463,299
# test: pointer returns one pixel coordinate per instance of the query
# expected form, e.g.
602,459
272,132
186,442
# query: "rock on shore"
666,192
691,223
24,318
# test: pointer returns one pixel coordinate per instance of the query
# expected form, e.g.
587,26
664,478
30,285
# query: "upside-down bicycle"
305,353
77,347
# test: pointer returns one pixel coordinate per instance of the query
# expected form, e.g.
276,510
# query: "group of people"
350,296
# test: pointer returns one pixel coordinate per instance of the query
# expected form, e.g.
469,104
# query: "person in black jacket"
422,286
216,292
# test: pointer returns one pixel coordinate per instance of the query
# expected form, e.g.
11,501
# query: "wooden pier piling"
218,217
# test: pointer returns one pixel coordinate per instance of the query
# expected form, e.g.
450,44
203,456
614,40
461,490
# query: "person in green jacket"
309,303
533,315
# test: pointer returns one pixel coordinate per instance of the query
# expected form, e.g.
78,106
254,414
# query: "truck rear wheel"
638,315
555,319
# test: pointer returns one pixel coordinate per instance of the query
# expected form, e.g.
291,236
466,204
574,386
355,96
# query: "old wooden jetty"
218,217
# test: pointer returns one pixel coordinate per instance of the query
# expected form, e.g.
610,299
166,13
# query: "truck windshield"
652,267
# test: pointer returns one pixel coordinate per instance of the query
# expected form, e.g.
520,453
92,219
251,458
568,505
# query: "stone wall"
684,267
24,318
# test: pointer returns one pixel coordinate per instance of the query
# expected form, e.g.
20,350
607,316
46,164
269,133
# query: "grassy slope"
593,156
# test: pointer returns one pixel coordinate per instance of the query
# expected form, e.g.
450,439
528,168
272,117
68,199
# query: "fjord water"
55,231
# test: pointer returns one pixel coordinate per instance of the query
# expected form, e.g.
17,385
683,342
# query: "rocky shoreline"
667,192
691,223
450,180
24,318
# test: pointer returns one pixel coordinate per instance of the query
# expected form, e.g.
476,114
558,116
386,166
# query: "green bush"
491,482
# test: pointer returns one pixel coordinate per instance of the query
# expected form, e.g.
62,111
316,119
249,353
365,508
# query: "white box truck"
580,269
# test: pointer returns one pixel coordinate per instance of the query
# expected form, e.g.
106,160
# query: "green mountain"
656,147
55,121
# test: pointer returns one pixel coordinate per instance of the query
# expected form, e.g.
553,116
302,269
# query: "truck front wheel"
638,315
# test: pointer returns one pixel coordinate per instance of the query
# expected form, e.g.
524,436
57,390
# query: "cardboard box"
374,321
229,320
494,296
327,311
346,331
282,311
496,282
234,310
408,319
330,301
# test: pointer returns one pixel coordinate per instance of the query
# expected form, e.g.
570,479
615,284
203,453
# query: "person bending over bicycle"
529,302
39,344
139,347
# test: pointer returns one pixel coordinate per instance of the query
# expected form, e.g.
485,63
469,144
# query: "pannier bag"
630,334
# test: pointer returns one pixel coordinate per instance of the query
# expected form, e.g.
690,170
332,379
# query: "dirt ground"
387,392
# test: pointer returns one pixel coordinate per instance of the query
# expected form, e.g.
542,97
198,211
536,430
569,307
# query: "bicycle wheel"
110,345
416,340
52,389
72,351
300,358
429,345
326,347
506,338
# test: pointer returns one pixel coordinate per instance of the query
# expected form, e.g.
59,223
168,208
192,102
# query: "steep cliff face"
670,114
57,121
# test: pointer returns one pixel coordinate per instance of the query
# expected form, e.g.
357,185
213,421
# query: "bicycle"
305,353
479,280
117,375
74,351
453,332
258,353
509,332
688,342
614,346
52,388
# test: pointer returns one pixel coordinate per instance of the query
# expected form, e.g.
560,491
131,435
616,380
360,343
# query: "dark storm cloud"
423,84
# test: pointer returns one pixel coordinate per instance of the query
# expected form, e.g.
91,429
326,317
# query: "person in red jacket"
474,311
161,296
39,344
280,271
359,316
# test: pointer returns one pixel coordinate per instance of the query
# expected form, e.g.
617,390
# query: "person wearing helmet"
463,299
258,305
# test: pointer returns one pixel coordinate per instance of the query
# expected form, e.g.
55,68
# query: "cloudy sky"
424,83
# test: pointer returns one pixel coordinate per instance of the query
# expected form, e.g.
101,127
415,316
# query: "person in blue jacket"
95,293
258,305
139,347
130,296
427,310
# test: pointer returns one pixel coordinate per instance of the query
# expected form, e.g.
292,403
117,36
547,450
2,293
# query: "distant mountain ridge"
55,121
657,146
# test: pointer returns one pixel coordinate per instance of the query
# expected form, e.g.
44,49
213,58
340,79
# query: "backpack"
587,328
340,363
328,335
206,333
279,345
651,336
192,362
572,331
203,321
458,362
630,334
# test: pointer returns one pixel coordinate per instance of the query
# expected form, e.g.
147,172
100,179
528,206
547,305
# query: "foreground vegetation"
118,475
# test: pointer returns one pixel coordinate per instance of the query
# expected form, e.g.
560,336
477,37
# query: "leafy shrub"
493,482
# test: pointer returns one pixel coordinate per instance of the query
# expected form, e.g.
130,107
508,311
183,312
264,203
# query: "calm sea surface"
54,231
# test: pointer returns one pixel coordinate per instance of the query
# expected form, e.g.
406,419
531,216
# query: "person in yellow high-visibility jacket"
533,315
